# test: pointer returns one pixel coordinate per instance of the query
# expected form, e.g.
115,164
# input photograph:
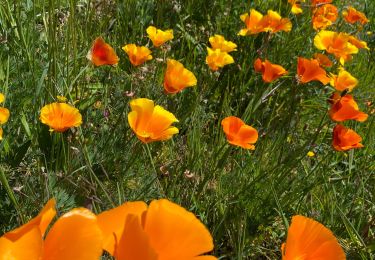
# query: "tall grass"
245,198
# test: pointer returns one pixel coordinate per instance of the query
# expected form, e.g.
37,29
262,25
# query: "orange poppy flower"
4,115
323,60
252,22
177,77
162,231
296,6
345,139
343,81
324,16
270,71
308,239
102,53
75,235
137,54
309,70
149,122
238,133
159,37
219,42
60,116
217,59
345,108
336,43
273,23
352,16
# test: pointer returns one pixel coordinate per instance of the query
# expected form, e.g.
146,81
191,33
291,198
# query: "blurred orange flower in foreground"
345,139
218,42
351,15
345,108
324,16
4,115
343,81
161,231
272,22
217,59
309,70
177,77
159,37
308,239
336,43
323,60
270,71
137,54
102,53
238,133
60,116
75,235
149,122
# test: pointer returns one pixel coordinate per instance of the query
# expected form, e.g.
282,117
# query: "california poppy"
296,6
219,42
252,22
270,71
358,43
60,116
102,53
273,22
75,235
177,77
238,133
149,122
345,139
336,43
137,54
343,81
345,108
351,15
323,60
309,239
310,70
217,59
162,231
159,37
324,16
4,115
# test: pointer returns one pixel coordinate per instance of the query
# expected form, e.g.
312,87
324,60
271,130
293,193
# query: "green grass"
246,199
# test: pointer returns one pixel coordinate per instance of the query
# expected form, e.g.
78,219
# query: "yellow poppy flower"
217,59
149,122
60,116
137,54
159,37
219,42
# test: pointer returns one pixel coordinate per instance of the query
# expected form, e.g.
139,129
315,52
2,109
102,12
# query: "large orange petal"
308,239
26,247
174,232
111,222
134,243
143,108
41,221
76,235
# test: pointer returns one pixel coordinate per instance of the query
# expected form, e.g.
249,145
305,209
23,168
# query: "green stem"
10,192
156,173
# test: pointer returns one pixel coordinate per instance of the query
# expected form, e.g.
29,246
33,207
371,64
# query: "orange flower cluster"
256,22
163,230
324,16
4,115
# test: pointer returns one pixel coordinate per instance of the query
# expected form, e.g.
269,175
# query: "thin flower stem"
153,166
5,183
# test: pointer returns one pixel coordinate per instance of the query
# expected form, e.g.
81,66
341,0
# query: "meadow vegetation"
245,198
